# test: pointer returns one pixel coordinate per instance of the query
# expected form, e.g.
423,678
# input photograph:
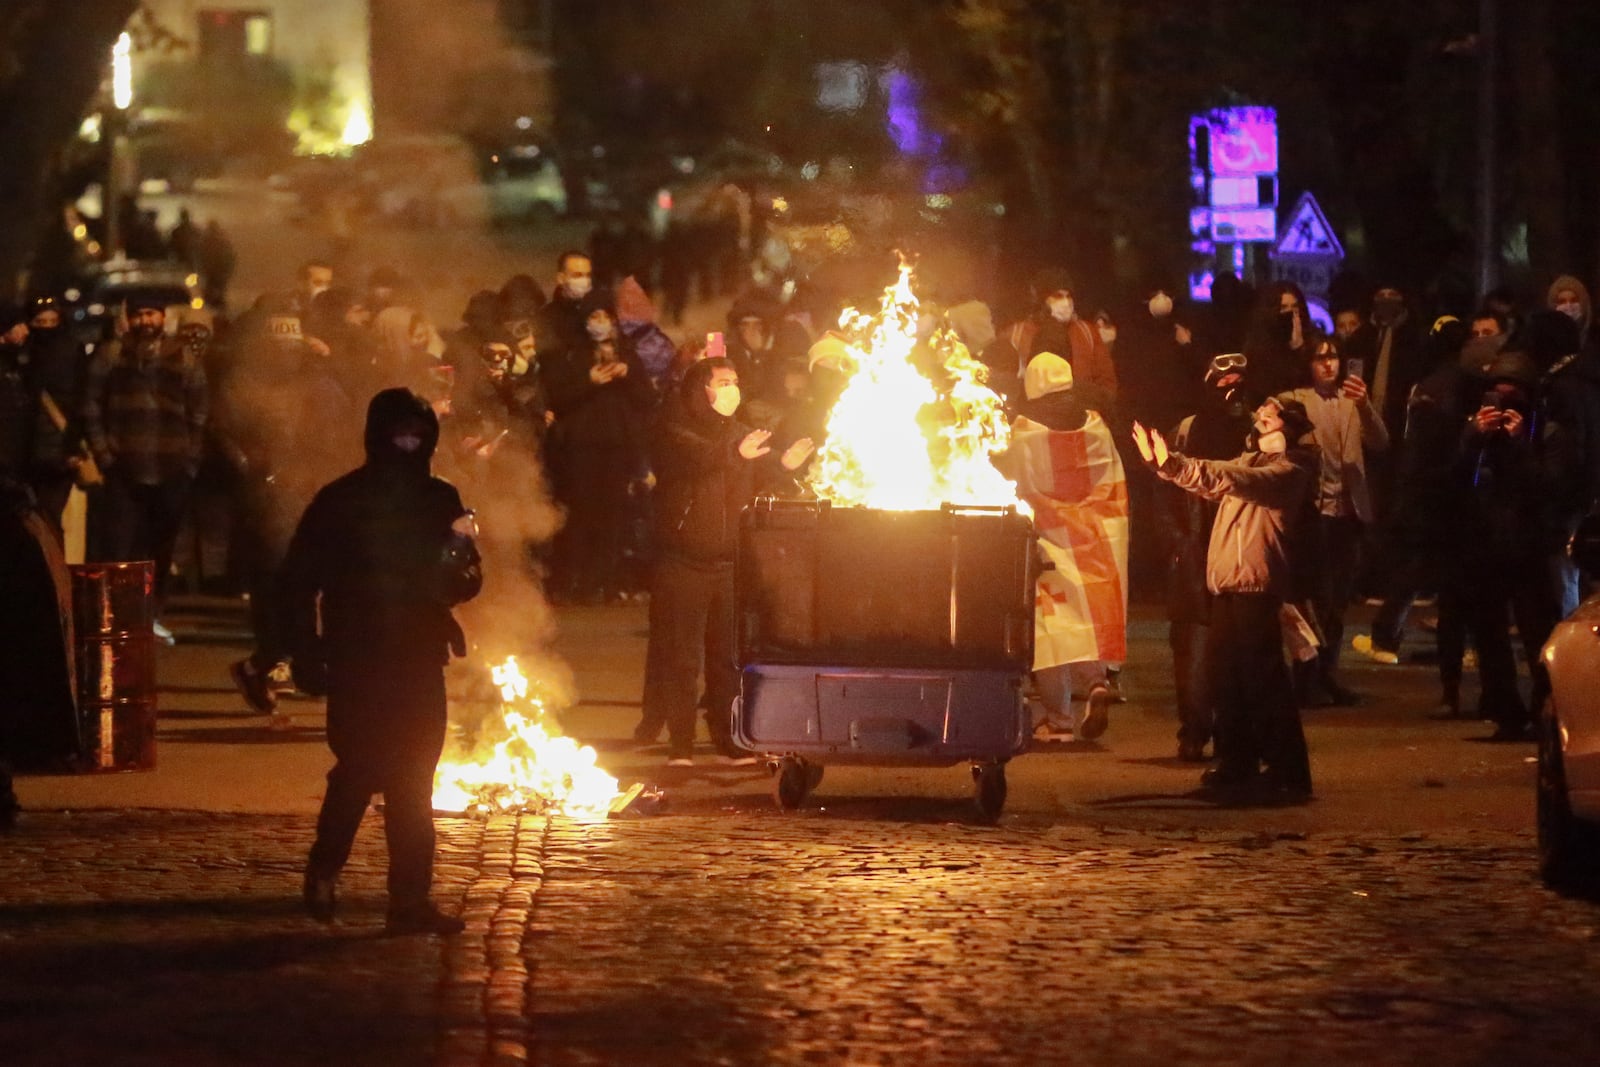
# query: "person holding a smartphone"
1346,427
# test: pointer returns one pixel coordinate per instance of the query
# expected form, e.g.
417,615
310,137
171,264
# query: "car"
1568,804
102,296
444,181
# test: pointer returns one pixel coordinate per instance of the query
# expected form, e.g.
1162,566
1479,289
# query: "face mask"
727,400
1161,305
578,288
600,331
1108,334
1387,312
408,443
1060,308
1272,443
1572,309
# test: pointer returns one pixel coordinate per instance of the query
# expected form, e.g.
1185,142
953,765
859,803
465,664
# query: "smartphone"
1355,367
715,347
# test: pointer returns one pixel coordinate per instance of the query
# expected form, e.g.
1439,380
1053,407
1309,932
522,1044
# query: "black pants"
1196,711
142,522
1257,720
1336,545
1521,583
691,621
595,491
266,520
386,728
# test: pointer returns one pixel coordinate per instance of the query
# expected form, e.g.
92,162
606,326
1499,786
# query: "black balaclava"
391,413
1223,421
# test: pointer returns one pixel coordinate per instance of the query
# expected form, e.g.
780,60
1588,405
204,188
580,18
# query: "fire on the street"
521,764
917,423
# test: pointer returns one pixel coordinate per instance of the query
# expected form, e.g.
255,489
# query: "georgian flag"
1074,482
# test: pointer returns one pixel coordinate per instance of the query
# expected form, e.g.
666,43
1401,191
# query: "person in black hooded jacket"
707,469
387,549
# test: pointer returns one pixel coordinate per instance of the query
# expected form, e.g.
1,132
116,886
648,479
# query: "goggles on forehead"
1223,364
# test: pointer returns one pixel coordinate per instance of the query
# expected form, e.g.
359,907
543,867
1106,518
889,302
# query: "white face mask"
1108,334
1060,308
726,400
578,288
1272,443
1161,305
600,331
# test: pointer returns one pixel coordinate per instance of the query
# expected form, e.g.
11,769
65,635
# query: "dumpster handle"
989,509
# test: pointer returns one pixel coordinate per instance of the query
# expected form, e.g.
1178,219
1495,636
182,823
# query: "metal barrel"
113,609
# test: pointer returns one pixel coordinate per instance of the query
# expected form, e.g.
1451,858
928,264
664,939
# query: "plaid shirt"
145,412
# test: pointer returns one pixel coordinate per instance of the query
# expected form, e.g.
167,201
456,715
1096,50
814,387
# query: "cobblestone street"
1110,918
756,938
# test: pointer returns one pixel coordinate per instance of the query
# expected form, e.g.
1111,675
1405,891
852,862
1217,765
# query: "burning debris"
520,763
917,423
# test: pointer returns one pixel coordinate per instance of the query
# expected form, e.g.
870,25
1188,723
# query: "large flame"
522,765
917,424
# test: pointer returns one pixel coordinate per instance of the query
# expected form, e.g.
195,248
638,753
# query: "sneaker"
1362,643
1096,713
320,896
680,761
280,722
1114,683
279,678
1049,730
736,758
253,686
421,918
163,634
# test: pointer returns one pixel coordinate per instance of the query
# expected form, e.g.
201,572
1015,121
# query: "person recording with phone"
1503,542
1346,427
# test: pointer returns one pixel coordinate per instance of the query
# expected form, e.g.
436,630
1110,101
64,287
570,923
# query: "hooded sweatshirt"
1567,281
374,544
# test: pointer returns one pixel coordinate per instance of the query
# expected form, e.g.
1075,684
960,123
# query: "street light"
122,97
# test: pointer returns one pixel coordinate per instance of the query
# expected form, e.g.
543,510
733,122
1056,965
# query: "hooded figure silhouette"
386,550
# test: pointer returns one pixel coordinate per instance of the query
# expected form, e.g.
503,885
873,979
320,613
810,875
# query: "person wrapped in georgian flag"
1066,467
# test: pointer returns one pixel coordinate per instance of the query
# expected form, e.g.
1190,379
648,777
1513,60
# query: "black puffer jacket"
376,544
703,482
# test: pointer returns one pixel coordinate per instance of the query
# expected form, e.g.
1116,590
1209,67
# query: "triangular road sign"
1307,233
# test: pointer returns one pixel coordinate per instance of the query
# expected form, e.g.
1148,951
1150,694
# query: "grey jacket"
1259,498
1358,430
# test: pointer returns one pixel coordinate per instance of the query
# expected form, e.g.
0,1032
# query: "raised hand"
754,445
1158,444
1141,437
798,453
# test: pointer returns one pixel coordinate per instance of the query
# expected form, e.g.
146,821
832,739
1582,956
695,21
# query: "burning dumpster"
891,621
884,638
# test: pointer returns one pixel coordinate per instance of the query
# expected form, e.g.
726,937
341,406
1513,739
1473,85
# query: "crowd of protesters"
1449,458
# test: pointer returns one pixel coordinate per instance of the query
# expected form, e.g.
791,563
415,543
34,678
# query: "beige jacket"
1259,497
1359,430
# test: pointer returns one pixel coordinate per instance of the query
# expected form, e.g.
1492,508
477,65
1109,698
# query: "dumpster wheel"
989,792
792,779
